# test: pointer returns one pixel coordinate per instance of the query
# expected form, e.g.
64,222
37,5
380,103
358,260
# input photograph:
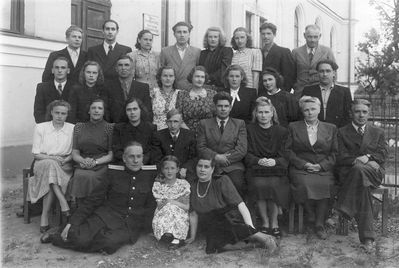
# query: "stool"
291,225
343,225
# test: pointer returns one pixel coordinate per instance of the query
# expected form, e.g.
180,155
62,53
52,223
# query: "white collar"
71,50
106,46
357,127
177,134
57,83
225,120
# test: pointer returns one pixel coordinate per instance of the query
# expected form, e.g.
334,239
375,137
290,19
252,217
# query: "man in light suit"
181,56
76,57
360,163
108,53
306,58
118,91
224,138
335,100
277,57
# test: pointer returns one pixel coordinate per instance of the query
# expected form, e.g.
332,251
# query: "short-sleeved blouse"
50,141
221,193
93,139
145,66
194,110
161,104
250,59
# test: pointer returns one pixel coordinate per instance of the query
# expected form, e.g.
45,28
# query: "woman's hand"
267,162
64,234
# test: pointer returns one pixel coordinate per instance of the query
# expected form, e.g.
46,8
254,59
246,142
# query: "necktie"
221,126
360,130
311,55
59,88
174,138
74,57
109,49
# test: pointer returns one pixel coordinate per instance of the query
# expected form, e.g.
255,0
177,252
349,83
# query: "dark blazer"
171,57
280,58
45,94
215,63
114,98
107,62
233,141
351,145
243,109
184,148
338,104
73,70
323,152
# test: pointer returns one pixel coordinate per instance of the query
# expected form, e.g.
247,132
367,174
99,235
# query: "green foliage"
378,71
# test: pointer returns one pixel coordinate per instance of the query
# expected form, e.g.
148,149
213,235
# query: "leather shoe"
46,238
276,232
320,232
44,229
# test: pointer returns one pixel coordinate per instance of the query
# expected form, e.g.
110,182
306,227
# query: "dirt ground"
21,248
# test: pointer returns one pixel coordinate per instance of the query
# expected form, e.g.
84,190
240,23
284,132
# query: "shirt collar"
332,86
225,120
312,126
313,50
63,129
182,48
57,83
357,127
278,90
234,90
177,134
106,45
71,50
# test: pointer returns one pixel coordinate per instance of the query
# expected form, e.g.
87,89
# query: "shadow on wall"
14,159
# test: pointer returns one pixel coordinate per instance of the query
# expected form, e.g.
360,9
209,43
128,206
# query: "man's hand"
361,159
221,159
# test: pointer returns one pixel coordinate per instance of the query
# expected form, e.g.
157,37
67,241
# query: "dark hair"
207,156
143,110
275,74
159,75
125,57
61,58
53,104
105,22
268,25
235,67
100,78
173,112
360,102
73,28
249,38
222,95
182,23
93,101
132,143
171,158
261,102
139,36
333,65
197,68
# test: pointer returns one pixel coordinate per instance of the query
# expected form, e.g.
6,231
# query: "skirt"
272,188
84,181
46,172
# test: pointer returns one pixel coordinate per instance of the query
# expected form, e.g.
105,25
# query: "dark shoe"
46,238
320,232
276,232
167,238
265,230
367,245
44,229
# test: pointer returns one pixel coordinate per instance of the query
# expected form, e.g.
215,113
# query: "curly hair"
139,36
53,104
235,67
159,75
197,68
249,38
100,78
222,37
269,70
262,102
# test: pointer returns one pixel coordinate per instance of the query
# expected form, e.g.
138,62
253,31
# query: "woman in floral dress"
171,222
164,97
196,103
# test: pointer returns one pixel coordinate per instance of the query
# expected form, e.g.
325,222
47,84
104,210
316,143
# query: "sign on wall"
152,23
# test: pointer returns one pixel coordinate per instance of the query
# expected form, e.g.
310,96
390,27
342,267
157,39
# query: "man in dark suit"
56,89
118,90
179,142
279,58
306,58
224,138
181,56
104,225
335,100
362,151
76,57
108,53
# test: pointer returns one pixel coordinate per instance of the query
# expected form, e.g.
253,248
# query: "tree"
378,71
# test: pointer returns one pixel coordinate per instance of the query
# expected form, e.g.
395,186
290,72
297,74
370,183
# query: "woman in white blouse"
52,148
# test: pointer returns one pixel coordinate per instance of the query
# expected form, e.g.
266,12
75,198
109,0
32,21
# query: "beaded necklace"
206,191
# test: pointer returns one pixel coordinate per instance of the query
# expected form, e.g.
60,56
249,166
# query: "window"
296,28
12,16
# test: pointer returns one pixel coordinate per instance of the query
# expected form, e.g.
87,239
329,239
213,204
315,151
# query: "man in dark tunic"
360,162
116,211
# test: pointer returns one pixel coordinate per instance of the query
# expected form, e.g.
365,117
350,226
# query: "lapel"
332,100
176,56
214,128
66,54
187,55
81,59
101,53
271,52
367,138
322,133
317,55
303,134
132,91
112,56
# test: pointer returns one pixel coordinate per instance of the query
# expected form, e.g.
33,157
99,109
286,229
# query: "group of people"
229,139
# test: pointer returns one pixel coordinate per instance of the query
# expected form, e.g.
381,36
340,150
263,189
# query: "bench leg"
291,218
385,212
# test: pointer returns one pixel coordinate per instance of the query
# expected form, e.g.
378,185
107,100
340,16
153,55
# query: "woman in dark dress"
91,152
312,147
267,165
136,127
284,102
216,57
225,216
90,87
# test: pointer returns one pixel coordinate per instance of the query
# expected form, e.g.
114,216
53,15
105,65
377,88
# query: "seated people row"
300,161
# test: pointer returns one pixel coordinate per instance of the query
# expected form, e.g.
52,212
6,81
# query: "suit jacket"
45,94
280,58
184,148
107,62
73,70
323,152
338,104
306,73
351,145
114,98
233,141
243,109
170,57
